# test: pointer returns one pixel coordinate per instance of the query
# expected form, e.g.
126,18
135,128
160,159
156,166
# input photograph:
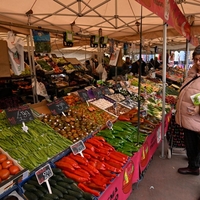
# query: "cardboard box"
40,107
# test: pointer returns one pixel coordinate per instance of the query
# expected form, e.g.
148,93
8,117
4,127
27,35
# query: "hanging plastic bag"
99,69
40,89
104,75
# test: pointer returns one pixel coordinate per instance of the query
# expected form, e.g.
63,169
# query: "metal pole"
186,60
164,89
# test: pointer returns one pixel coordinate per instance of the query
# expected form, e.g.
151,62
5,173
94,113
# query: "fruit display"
116,97
123,137
95,171
118,109
34,147
72,99
61,186
8,167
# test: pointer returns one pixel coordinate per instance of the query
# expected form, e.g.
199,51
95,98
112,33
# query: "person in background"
127,66
89,67
136,66
156,63
188,116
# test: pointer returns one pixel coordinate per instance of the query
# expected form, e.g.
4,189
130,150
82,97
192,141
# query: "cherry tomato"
3,157
6,164
4,174
14,169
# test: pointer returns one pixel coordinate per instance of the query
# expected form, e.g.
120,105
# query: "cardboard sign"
43,174
109,124
97,93
58,106
78,147
84,95
19,115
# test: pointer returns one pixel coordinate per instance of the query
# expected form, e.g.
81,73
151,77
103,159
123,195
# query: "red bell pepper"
87,189
124,118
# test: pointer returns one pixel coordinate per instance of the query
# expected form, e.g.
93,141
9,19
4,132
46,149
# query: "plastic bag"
99,69
104,75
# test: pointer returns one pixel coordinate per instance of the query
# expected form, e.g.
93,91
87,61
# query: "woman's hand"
193,110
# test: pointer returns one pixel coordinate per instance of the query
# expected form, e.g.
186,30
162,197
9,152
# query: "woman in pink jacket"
188,116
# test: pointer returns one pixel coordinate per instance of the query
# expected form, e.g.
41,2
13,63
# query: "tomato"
3,157
4,174
14,169
6,164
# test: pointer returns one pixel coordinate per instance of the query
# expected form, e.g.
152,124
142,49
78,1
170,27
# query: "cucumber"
66,196
82,198
34,183
51,196
29,187
76,188
75,194
30,195
39,194
61,189
56,170
44,190
68,180
88,196
57,177
57,192
52,182
65,185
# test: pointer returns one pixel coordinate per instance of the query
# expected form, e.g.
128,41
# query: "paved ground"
162,182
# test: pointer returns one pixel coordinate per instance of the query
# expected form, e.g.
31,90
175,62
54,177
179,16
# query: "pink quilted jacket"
182,117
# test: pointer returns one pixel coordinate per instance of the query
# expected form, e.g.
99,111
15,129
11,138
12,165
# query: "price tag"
43,174
19,115
78,147
84,95
143,113
105,90
109,124
57,106
97,93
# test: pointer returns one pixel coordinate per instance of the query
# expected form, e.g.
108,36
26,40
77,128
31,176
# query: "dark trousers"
192,145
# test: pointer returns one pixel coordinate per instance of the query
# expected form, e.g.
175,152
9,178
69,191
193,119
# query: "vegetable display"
95,171
34,147
61,186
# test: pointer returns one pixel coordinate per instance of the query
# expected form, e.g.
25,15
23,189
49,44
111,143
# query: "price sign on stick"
19,115
78,147
105,90
84,95
57,106
43,175
109,124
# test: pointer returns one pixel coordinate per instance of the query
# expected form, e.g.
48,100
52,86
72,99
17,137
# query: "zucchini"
67,196
34,183
51,196
76,188
30,195
75,194
68,180
29,187
65,185
39,194
57,177
57,192
56,170
61,189
44,190
88,196
52,182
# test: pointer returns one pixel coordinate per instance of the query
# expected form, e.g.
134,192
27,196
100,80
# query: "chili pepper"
120,159
87,156
102,150
87,169
104,156
64,166
75,177
88,151
92,163
117,162
95,186
111,168
82,173
87,189
117,153
100,180
99,138
95,142
108,146
98,164
108,173
70,161
118,166
79,159
89,146
92,168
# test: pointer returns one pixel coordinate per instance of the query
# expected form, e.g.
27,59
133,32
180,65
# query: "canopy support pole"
186,59
164,89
